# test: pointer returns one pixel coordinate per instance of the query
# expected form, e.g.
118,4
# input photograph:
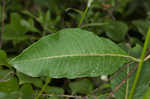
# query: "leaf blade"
70,53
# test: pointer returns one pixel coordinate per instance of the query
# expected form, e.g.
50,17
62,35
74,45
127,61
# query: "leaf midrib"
80,55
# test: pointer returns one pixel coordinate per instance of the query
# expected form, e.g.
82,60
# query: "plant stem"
93,24
83,16
43,88
140,64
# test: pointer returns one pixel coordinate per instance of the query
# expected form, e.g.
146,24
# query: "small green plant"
55,52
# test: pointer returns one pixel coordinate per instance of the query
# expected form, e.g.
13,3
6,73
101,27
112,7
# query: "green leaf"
5,74
15,31
147,94
46,21
116,81
142,26
17,28
121,5
9,86
143,82
134,41
70,53
29,25
27,91
124,46
12,95
83,86
51,4
135,51
116,30
75,10
54,90
23,79
3,58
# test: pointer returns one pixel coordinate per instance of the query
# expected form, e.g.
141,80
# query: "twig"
68,96
3,21
5,80
122,82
